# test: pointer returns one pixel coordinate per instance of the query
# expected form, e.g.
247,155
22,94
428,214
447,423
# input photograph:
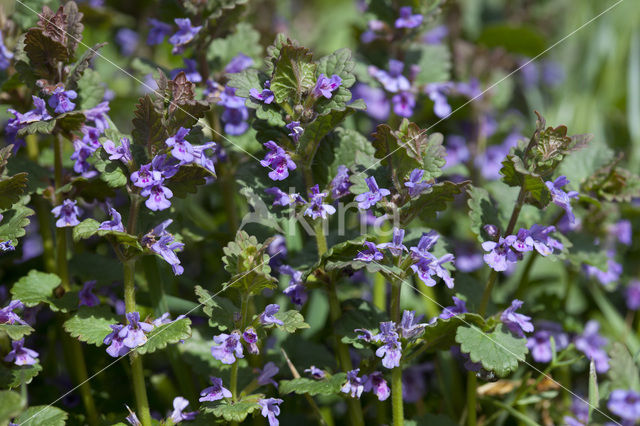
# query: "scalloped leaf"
429,203
91,324
41,127
515,174
16,331
244,81
11,404
188,179
481,211
357,313
110,171
234,411
148,130
623,370
293,320
441,335
17,376
220,310
15,220
160,337
300,386
11,189
89,227
44,53
498,351
294,74
91,89
34,288
40,415
340,255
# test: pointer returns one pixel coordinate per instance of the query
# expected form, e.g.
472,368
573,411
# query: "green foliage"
434,61
11,404
219,309
88,189
293,321
441,335
148,130
294,74
341,64
340,256
17,376
244,81
523,40
327,386
165,334
11,189
498,351
341,147
245,259
36,287
44,53
623,371
15,331
110,171
515,174
357,313
90,87
245,39
429,203
481,211
594,394
40,415
234,411
41,127
613,183
15,220
91,325
188,178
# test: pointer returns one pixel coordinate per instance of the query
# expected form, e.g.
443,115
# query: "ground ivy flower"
20,355
403,104
214,392
266,96
370,254
158,194
622,231
235,114
562,198
539,343
271,409
181,149
376,100
238,63
179,404
159,30
127,39
625,403
407,20
278,160
6,246
315,372
134,333
415,184
517,323
145,176
251,338
500,254
268,316
426,264
60,100
391,350
354,385
370,198
340,184
282,198
395,246
7,316
632,296
86,296
297,293
459,307
190,71
408,327
228,347
5,54
184,35
393,80
612,274
98,114
316,207
540,240
267,373
115,342
378,385
325,86
121,152
591,344
437,92
364,334
67,213
166,247
115,224
132,418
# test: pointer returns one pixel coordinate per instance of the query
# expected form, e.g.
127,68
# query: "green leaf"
11,189
110,171
515,174
522,40
44,53
319,128
247,263
481,211
293,320
89,227
165,334
91,325
340,255
70,121
234,411
90,88
357,313
623,371
498,351
188,179
41,127
341,64
434,62
148,130
294,74
79,71
429,203
594,396
441,335
35,287
40,415
17,376
11,404
15,220
245,39
220,310
16,331
38,177
88,189
327,386
244,81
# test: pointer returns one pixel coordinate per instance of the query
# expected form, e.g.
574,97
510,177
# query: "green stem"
62,267
524,279
137,373
472,384
396,397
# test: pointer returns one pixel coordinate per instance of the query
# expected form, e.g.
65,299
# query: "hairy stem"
397,406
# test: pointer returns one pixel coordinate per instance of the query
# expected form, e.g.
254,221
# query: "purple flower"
295,129
251,337
378,385
409,328
395,246
364,334
266,96
116,346
159,30
166,246
415,184
591,344
297,293
86,296
190,70
98,114
239,63
426,264
5,54
169,166
375,99
228,347
7,246
7,316
316,207
215,392
436,35
134,333
325,85
393,80
500,254
403,104
370,254
21,355
437,93
340,184
625,403
540,342
467,259
60,100
67,213
145,176
370,198
561,198
278,160
132,418
622,231
540,240
158,196
271,410
517,323
632,296
354,385
267,317
315,372
179,404
184,35
282,198
457,151
391,349
127,39
459,307
265,375
407,20
115,224
182,150
612,274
